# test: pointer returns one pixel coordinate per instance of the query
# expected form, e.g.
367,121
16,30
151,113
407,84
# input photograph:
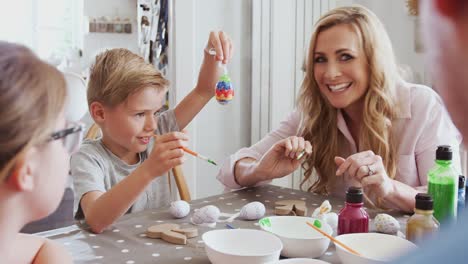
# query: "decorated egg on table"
331,219
324,208
324,213
252,211
224,90
179,209
387,224
206,214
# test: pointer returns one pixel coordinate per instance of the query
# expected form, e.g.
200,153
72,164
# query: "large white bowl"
375,248
299,239
230,246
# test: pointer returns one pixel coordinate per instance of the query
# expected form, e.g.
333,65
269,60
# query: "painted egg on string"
224,90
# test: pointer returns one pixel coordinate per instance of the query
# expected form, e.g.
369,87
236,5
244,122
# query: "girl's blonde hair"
32,96
320,118
118,73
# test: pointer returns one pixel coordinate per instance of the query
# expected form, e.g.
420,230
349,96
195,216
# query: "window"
52,28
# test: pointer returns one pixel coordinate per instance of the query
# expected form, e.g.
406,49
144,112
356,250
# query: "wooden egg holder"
291,207
171,233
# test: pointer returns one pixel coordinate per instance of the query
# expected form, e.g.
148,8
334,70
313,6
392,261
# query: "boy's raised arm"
209,74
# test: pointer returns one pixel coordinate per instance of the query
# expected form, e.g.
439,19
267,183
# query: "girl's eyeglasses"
71,136
71,143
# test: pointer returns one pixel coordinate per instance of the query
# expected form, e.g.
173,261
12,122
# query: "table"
126,242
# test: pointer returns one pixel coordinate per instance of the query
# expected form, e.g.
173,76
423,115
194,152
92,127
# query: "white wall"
17,28
95,42
218,130
401,29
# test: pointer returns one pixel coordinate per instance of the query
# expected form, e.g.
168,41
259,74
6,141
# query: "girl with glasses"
34,162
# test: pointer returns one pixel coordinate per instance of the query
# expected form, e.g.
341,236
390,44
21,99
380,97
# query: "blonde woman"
357,121
33,158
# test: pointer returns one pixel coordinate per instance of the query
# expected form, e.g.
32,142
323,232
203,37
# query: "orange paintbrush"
199,156
191,152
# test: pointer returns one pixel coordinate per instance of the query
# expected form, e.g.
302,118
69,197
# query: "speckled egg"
179,209
206,214
252,211
387,224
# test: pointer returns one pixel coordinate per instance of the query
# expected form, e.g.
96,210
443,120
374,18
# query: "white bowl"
374,248
301,261
299,239
229,246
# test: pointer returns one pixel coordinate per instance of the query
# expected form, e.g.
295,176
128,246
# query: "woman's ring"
370,171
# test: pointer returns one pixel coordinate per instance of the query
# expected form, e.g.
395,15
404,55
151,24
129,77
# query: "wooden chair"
184,193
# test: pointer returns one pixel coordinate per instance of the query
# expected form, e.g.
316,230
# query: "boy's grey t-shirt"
95,168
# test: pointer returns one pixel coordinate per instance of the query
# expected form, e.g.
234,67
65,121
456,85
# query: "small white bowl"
299,239
375,248
229,246
302,261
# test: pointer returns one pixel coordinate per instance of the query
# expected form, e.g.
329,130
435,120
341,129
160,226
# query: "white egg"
206,214
387,224
252,211
179,209
331,219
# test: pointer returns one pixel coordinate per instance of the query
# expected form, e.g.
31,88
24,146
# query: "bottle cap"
424,201
461,182
444,152
354,195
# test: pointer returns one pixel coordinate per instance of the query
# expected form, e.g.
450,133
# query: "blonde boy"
120,172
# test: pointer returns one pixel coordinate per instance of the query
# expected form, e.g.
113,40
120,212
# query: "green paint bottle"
443,185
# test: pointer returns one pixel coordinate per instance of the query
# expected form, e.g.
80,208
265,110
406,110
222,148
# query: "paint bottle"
443,185
422,224
353,218
466,191
461,194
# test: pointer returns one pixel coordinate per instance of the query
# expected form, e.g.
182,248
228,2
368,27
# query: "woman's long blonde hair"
32,96
319,118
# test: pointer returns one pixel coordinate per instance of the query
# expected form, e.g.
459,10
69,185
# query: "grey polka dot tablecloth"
126,242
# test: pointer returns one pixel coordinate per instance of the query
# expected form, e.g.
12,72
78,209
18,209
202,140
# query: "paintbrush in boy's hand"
191,152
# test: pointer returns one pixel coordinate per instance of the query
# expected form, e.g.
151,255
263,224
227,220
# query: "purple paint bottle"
353,218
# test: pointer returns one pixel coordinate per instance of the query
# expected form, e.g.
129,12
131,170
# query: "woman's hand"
283,158
218,49
367,169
